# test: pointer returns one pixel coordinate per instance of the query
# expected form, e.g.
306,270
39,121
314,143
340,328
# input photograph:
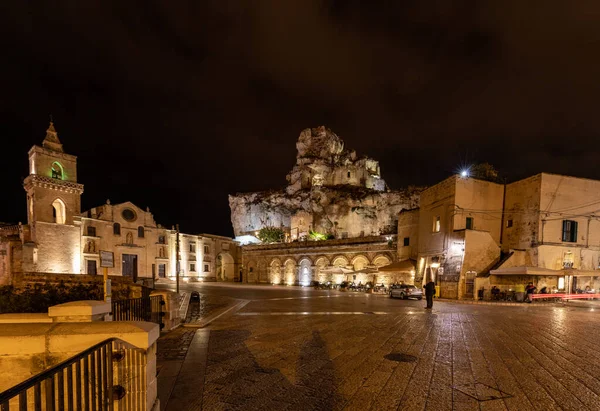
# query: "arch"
305,274
289,272
59,211
321,263
263,274
117,229
251,269
57,171
225,267
359,262
381,260
141,232
129,238
275,276
340,261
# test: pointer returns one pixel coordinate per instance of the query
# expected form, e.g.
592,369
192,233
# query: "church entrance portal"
130,266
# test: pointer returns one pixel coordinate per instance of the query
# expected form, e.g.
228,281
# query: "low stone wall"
119,284
29,347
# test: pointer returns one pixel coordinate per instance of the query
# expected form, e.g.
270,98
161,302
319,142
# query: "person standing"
429,293
529,290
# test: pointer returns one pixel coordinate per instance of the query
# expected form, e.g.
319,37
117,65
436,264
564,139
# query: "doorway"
130,266
91,267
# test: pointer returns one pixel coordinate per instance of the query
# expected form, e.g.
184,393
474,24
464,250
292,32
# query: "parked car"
405,291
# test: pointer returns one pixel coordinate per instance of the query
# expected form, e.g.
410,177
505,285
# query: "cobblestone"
207,305
467,357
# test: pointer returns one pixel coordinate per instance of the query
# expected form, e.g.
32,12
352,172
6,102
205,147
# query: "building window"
57,171
91,267
192,248
469,223
569,233
349,174
117,229
406,241
206,249
206,268
509,223
58,211
561,283
436,224
192,267
128,214
161,239
141,232
91,231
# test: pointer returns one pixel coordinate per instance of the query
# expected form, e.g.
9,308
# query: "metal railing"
139,309
86,381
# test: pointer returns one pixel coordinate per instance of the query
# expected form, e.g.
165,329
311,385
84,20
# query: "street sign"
107,259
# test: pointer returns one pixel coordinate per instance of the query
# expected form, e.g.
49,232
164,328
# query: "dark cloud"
175,104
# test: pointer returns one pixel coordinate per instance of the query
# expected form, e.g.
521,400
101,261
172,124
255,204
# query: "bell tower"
53,194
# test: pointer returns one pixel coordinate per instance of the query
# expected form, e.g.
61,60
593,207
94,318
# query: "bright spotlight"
464,173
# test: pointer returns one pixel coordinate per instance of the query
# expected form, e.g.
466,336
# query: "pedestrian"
429,293
529,290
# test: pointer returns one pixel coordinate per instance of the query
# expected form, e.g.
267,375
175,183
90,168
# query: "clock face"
128,214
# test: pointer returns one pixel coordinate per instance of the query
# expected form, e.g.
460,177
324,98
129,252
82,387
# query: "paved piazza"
302,349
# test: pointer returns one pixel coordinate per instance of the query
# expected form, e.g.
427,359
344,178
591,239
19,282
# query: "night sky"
174,105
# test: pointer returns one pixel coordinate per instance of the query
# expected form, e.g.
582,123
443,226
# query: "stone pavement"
331,350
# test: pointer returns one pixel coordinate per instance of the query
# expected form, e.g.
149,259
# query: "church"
61,239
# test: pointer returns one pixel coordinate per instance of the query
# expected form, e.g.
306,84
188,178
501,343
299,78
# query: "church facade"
61,239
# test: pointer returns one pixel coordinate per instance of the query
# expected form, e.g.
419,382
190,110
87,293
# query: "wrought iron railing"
86,381
139,309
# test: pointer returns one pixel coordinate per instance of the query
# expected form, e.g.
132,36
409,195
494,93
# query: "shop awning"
399,266
525,270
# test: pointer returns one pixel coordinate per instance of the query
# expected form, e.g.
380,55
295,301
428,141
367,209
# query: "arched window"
58,211
141,232
117,229
57,170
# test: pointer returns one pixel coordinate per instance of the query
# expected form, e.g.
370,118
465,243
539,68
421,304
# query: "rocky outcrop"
330,190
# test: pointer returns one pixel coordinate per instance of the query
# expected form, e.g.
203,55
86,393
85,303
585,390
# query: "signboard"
107,259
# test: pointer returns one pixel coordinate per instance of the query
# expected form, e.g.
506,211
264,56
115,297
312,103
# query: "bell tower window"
58,211
57,171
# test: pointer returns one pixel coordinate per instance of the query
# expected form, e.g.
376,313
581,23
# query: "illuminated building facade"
59,238
475,234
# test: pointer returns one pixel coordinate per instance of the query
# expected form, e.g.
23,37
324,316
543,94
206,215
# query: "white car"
405,291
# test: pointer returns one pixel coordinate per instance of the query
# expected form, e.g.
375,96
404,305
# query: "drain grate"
400,357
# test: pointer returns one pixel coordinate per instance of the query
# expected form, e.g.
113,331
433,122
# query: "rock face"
330,190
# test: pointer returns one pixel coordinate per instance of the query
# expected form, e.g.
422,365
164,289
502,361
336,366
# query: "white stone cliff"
330,190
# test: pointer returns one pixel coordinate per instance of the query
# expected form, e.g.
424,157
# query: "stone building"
59,238
473,233
302,262
331,193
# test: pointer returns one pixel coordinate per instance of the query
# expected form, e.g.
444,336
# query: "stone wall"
119,284
58,249
303,262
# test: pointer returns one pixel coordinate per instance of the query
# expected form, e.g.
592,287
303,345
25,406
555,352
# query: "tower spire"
51,142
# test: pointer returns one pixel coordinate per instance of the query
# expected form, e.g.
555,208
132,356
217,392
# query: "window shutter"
565,236
574,231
